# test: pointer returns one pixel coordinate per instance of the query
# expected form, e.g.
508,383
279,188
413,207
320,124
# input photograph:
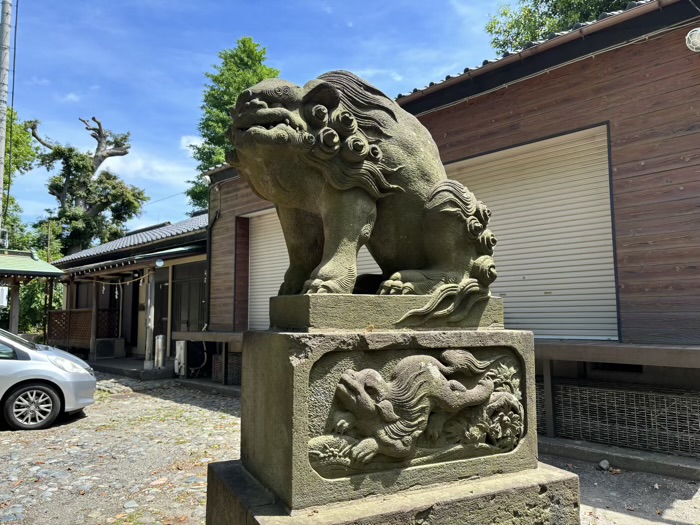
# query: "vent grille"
234,369
539,406
637,416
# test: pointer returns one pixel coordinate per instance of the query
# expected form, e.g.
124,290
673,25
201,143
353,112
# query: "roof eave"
178,240
134,262
20,273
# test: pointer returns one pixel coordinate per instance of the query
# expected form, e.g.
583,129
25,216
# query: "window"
7,352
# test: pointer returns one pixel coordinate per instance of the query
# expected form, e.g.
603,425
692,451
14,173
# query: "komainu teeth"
286,121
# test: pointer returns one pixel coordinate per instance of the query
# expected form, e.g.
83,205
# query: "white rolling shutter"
366,263
551,215
269,261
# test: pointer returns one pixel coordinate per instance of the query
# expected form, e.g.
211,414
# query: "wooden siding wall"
233,199
650,95
242,274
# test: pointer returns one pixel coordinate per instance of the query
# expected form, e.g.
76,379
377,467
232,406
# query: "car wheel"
32,407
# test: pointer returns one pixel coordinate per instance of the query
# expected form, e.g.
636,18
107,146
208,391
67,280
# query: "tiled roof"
470,70
15,263
142,237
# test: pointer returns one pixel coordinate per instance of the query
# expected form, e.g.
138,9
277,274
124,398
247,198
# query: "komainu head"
334,124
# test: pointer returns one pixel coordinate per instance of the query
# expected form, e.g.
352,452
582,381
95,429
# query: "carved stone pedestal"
544,495
396,426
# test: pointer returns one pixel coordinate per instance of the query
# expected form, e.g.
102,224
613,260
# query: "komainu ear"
320,92
386,411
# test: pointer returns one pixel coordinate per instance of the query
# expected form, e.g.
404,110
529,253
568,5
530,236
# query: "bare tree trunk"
102,152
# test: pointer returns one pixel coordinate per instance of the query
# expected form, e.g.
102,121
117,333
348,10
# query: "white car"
38,382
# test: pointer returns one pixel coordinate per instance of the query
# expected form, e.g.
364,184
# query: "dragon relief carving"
347,167
428,410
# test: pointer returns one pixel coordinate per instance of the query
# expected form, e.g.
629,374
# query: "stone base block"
319,312
543,496
334,416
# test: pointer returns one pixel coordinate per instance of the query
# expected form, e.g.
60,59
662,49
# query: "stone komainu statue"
346,167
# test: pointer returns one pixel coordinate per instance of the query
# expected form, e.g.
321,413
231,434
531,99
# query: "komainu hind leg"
418,282
458,248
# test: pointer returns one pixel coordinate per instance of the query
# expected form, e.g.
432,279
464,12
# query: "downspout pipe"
212,220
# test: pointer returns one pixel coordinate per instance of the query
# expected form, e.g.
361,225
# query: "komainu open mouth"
264,119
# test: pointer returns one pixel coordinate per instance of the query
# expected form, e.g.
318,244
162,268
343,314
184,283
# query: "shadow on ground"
61,420
168,391
632,498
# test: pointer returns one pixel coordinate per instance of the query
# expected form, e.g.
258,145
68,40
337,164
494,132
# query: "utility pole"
5,30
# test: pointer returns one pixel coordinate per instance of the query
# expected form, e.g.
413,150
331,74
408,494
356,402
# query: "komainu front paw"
294,280
320,286
364,451
342,422
331,279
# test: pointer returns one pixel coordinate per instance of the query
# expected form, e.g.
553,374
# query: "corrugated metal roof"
142,236
15,263
576,27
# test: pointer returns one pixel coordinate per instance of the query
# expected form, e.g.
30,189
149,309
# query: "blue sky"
138,65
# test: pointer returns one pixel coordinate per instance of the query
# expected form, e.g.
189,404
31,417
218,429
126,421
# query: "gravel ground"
620,497
139,455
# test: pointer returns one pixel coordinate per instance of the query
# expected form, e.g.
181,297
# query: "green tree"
33,295
43,239
240,68
20,233
20,156
512,27
93,203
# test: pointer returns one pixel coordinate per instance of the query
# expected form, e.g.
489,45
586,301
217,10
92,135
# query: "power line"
164,198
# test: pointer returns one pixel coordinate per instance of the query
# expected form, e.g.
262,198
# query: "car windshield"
17,339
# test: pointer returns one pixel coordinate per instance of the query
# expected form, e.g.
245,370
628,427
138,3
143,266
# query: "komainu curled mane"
346,167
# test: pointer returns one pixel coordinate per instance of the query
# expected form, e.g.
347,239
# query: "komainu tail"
452,302
465,362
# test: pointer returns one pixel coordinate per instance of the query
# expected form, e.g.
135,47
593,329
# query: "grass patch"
101,396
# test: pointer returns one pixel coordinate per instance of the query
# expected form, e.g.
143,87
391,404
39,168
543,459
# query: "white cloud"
144,169
38,81
370,73
69,97
465,9
473,17
190,140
